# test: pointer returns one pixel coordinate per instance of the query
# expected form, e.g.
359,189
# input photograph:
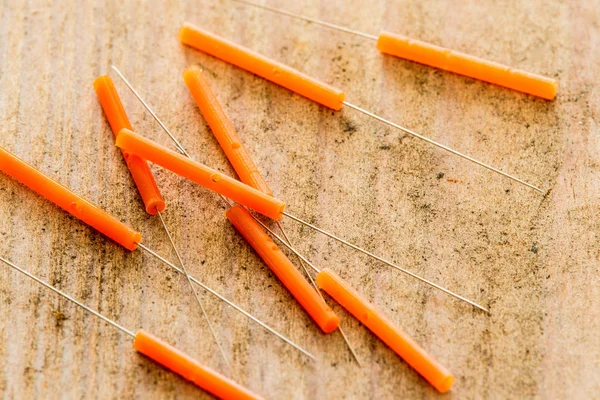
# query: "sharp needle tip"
482,308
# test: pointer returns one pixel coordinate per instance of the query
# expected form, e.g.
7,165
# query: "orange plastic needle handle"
201,174
262,66
281,266
188,368
386,330
464,64
68,201
223,130
142,176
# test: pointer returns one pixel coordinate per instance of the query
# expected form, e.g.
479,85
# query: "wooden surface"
532,259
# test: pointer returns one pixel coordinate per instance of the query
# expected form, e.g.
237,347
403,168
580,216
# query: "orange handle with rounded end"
386,330
201,174
464,64
140,172
262,66
223,130
281,266
68,201
188,368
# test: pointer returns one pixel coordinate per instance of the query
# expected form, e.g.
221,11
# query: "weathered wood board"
532,259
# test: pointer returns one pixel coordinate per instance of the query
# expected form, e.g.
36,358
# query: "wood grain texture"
533,260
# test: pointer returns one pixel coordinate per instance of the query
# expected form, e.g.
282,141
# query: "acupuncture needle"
145,182
103,222
240,193
302,84
442,58
161,352
251,172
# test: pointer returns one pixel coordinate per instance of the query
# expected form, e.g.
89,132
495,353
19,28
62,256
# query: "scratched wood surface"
532,259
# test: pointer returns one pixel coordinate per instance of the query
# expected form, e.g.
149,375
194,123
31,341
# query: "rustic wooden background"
532,259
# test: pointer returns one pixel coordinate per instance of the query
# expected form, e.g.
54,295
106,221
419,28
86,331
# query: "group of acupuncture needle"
131,240
313,88
254,232
251,194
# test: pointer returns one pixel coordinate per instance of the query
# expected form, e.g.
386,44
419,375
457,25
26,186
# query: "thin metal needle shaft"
66,296
233,305
287,239
308,19
442,146
179,146
212,331
385,262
